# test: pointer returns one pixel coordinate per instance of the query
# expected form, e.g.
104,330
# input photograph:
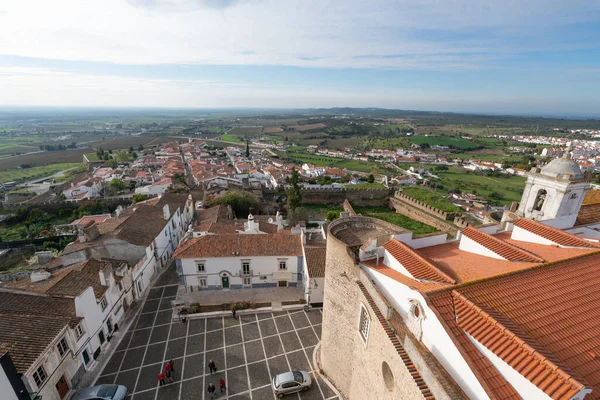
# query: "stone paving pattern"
248,352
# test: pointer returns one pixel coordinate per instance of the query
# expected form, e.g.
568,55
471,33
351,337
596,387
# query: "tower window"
364,324
540,199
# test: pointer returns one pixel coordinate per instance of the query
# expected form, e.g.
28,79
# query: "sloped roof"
30,323
400,277
542,321
417,265
500,247
557,236
588,214
315,261
143,226
247,245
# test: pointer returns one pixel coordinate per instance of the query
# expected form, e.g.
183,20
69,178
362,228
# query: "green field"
231,138
511,187
433,198
34,172
385,214
452,142
92,157
245,130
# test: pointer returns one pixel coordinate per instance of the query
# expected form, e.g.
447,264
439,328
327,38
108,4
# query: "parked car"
291,382
101,392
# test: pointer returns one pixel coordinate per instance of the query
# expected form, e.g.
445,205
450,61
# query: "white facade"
224,272
154,189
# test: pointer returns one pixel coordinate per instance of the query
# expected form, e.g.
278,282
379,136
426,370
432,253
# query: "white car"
291,382
101,392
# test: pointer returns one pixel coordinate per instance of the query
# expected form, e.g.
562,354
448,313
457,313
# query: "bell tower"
554,193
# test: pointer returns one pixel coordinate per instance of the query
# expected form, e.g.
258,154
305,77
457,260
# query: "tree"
332,215
371,178
117,184
294,195
240,201
247,149
496,195
140,148
137,198
297,215
131,149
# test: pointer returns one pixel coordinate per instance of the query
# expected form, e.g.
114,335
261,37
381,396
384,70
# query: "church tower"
554,193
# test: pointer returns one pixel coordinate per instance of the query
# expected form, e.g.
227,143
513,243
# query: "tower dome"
559,167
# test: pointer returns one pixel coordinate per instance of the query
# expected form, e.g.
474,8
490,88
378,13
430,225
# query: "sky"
491,56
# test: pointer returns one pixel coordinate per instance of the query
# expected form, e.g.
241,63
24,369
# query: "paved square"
247,351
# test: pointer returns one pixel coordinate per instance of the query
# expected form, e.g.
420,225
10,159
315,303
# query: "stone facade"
371,368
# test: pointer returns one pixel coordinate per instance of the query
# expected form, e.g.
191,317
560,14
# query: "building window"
246,268
388,376
62,347
202,282
86,357
200,266
103,303
282,265
415,309
39,376
364,324
79,331
247,281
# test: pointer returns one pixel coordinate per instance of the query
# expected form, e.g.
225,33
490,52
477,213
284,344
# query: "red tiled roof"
315,261
542,321
500,247
592,197
493,383
510,347
418,266
557,236
400,277
244,245
588,214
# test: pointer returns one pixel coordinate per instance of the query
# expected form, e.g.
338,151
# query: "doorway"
62,387
225,282
282,283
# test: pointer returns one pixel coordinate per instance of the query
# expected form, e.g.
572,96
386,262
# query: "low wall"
348,207
413,212
426,207
358,197
55,206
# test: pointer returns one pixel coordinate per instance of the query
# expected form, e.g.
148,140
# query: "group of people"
212,390
166,376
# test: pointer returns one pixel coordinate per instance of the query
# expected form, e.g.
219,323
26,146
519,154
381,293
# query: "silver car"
291,382
101,392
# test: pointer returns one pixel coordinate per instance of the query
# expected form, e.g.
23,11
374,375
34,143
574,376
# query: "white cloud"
432,34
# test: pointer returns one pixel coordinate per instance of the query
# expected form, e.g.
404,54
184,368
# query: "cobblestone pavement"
248,352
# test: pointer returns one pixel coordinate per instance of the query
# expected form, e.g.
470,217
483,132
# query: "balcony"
246,272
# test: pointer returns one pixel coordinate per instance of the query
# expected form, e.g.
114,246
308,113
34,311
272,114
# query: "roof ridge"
428,264
570,379
553,234
501,247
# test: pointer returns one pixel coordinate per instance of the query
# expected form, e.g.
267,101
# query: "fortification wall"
413,212
426,207
358,197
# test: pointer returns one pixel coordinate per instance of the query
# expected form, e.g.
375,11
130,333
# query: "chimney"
91,231
38,276
166,212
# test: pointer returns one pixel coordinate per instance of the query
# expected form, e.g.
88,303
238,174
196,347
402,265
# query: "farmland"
352,165
452,142
245,130
43,158
309,127
22,174
125,142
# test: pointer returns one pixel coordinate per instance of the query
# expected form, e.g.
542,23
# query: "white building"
554,193
235,261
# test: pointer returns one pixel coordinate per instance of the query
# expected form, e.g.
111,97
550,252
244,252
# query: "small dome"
559,167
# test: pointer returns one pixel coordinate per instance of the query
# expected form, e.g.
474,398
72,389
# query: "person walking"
161,379
212,366
168,373
212,390
172,364
233,311
222,384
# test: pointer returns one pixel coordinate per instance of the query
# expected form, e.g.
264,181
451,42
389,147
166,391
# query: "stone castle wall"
426,207
358,197
415,213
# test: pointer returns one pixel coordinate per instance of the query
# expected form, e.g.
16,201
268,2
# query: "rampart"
358,197
417,214
448,216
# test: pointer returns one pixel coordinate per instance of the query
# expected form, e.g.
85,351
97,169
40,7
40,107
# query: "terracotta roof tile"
422,287
514,350
557,236
417,265
592,197
493,383
552,309
503,249
315,261
247,245
588,214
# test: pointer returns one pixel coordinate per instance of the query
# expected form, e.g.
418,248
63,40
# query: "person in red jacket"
168,373
161,379
222,384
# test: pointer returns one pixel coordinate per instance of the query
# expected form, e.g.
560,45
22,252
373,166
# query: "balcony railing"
245,272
